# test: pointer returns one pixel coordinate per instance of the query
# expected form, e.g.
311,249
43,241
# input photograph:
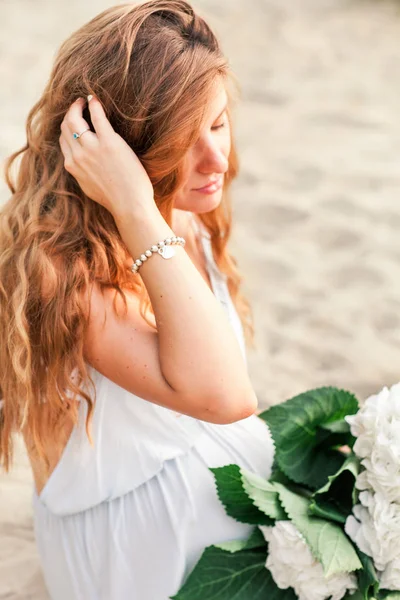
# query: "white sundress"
129,518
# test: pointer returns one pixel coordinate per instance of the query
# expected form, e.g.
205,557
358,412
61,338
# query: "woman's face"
207,160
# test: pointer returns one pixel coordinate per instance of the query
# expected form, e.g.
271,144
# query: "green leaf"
263,494
326,510
221,575
368,583
350,466
326,440
256,540
326,540
390,596
336,498
356,596
233,496
278,476
296,426
340,426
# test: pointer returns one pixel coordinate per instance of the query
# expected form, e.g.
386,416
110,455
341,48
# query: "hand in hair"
106,168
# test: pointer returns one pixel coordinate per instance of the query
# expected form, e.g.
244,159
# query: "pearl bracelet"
163,248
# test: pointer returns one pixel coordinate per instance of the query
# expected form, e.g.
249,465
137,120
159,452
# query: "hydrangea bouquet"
327,522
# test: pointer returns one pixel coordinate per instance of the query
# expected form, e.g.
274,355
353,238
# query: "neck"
182,225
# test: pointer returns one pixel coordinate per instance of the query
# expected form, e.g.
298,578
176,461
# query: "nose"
213,158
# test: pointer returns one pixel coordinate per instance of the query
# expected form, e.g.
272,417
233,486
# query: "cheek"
188,170
227,143
227,150
184,188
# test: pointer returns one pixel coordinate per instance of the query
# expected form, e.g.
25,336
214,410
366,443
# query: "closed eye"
218,126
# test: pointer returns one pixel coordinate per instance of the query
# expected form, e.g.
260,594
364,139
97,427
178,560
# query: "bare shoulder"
120,343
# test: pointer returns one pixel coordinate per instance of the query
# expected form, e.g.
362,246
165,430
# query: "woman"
127,382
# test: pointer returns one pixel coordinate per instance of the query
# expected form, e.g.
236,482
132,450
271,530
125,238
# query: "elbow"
245,407
232,408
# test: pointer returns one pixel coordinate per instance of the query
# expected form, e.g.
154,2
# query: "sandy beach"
316,205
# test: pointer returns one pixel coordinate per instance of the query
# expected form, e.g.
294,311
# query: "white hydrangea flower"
292,565
377,428
389,579
375,526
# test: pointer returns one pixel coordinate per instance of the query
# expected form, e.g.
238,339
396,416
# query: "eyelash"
219,126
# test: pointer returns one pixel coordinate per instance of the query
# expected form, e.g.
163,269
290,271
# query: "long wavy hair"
153,66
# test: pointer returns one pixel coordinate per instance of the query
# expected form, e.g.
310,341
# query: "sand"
316,204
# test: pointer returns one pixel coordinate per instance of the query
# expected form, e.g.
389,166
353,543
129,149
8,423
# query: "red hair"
153,66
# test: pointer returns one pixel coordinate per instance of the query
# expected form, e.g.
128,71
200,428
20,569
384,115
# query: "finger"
76,124
100,122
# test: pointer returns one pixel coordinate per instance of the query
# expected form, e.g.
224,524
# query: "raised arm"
193,362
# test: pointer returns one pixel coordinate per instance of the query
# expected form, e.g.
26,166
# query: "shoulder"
106,305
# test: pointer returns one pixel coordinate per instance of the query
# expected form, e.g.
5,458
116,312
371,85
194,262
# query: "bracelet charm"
163,248
166,251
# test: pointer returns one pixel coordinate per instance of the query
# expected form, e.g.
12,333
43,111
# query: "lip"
211,187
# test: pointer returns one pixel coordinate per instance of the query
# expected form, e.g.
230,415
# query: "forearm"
199,352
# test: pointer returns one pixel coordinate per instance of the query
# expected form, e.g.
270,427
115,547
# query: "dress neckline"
199,229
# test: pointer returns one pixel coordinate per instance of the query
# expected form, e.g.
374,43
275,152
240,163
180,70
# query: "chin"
199,203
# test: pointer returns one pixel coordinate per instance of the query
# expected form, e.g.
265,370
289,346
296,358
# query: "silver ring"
78,135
